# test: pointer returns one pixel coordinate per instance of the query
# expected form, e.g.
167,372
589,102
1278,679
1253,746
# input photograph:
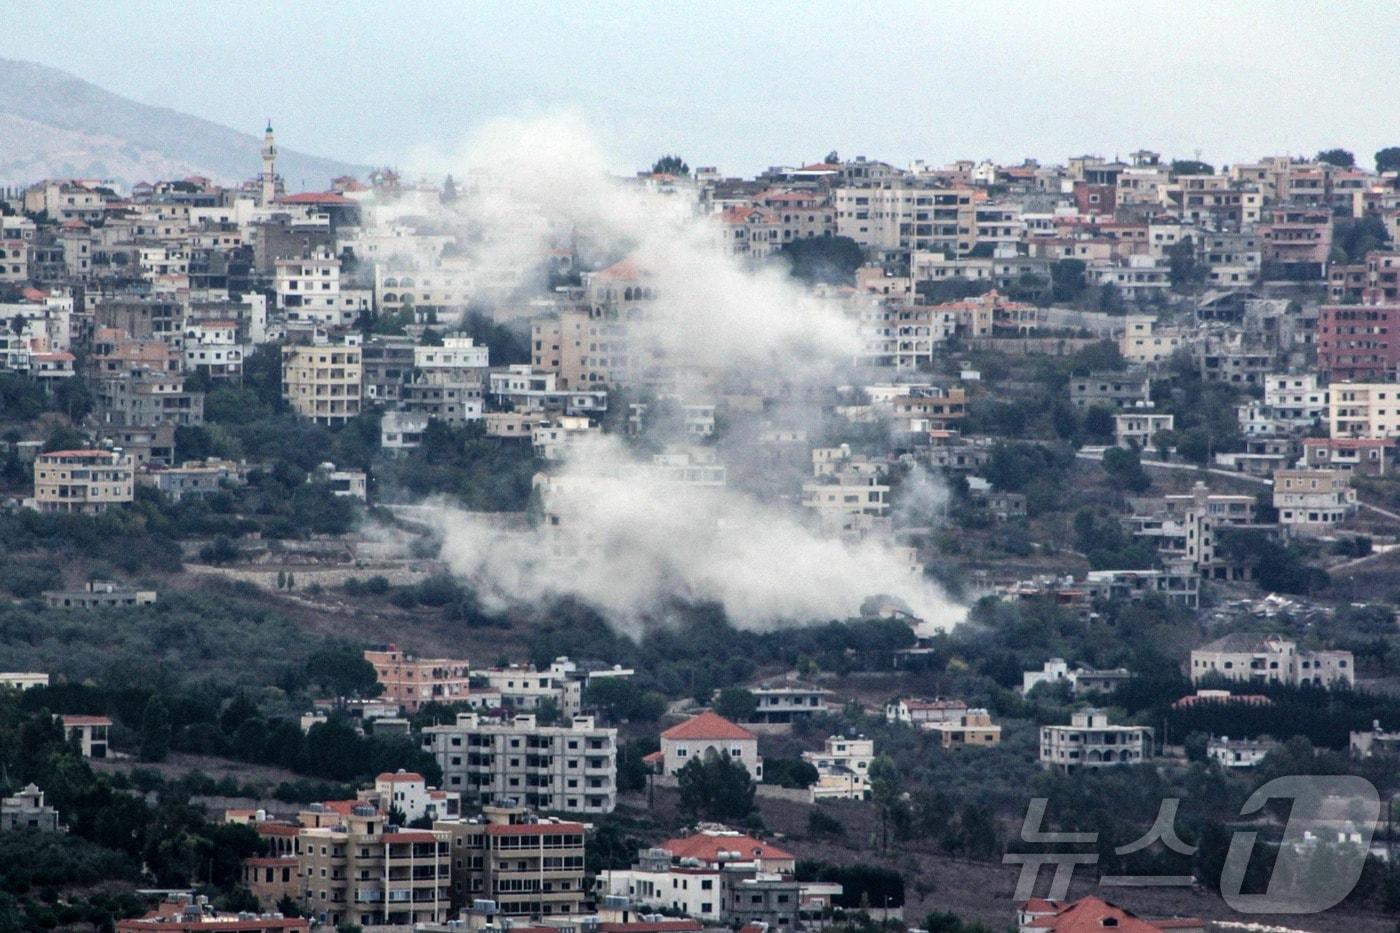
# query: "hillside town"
411,554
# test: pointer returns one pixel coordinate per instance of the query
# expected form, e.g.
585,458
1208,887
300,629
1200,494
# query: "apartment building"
1246,658
309,291
1364,409
321,381
843,768
212,348
458,359
708,733
570,768
1127,389
88,482
527,867
788,701
1313,501
99,594
1364,456
361,870
905,218
1146,341
144,398
1358,343
410,682
1091,741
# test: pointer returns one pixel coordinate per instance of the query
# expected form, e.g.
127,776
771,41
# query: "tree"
1388,159
1341,158
736,704
342,670
716,787
670,165
1191,167
155,730
449,191
826,259
1183,269
887,791
1098,424
1124,469
1195,745
1067,280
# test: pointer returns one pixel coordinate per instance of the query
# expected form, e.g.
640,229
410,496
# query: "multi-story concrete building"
1246,658
359,869
973,728
843,768
1358,342
1365,456
528,867
1313,500
570,768
90,732
788,701
1364,409
88,482
1137,427
1112,390
1145,341
656,882
916,712
144,398
1091,741
321,381
99,594
309,291
708,733
27,812
410,682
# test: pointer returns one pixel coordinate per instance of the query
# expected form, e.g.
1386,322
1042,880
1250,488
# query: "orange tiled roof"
707,725
708,847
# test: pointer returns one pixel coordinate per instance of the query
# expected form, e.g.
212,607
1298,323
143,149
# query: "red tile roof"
400,777
623,270
1090,913
707,847
329,198
86,721
707,725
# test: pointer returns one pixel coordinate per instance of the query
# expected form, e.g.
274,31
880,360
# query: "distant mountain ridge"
54,125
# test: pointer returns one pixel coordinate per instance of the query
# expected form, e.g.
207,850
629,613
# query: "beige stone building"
1313,500
87,482
1246,658
323,381
1364,409
358,870
1091,741
529,867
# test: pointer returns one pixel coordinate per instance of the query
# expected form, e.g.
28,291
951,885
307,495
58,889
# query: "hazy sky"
747,84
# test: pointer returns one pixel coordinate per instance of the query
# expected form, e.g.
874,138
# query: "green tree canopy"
1338,157
736,704
670,165
1388,159
716,787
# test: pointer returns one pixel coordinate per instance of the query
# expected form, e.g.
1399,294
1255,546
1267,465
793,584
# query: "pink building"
411,681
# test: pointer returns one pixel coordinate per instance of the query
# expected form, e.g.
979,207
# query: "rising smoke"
637,542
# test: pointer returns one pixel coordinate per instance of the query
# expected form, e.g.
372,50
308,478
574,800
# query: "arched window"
391,282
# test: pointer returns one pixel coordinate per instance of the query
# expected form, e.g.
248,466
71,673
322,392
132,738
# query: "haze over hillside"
53,124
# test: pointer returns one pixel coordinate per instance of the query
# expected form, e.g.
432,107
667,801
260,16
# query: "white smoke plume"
631,541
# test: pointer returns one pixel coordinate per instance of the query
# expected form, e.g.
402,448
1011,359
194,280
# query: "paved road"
1096,454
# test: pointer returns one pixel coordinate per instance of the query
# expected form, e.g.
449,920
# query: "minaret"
269,172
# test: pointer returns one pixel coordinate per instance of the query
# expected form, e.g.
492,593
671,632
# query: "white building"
1136,428
402,430
843,768
1313,500
788,701
309,291
570,768
709,732
1238,753
1246,658
459,359
916,712
1090,741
